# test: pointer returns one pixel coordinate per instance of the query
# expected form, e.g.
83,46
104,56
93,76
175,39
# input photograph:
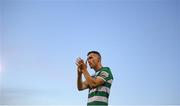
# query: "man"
98,85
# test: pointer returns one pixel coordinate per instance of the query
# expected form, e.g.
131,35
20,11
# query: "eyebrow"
89,57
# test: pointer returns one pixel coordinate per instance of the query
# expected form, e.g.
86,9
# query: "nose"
89,62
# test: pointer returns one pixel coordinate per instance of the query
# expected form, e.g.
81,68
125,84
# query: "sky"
138,39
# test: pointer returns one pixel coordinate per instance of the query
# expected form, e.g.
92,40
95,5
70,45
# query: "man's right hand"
81,65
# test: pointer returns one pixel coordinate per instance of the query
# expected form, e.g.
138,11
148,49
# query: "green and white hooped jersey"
100,94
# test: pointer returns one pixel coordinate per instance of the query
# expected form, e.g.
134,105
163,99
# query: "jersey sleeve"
104,75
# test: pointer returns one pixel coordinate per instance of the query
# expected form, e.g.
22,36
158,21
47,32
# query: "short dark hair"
95,52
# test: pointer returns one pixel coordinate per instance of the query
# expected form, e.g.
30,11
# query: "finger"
77,64
81,60
78,60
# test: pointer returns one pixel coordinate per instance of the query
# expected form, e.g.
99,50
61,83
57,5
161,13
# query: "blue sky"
138,40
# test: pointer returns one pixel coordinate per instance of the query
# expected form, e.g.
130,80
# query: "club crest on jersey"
104,74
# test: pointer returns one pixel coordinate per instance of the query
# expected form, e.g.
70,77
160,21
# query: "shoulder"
106,69
105,72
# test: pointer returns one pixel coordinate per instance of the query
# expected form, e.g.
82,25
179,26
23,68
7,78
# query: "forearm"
89,79
79,81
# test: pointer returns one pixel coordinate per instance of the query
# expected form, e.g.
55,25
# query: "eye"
89,58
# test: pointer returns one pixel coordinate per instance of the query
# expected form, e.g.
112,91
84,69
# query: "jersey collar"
98,71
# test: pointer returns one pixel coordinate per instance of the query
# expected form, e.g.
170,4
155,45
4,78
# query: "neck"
98,67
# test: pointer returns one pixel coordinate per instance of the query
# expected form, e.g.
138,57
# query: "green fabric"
104,73
106,69
98,93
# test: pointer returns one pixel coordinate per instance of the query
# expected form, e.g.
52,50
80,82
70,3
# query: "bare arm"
81,85
92,82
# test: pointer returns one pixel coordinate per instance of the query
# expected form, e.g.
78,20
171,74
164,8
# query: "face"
93,60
